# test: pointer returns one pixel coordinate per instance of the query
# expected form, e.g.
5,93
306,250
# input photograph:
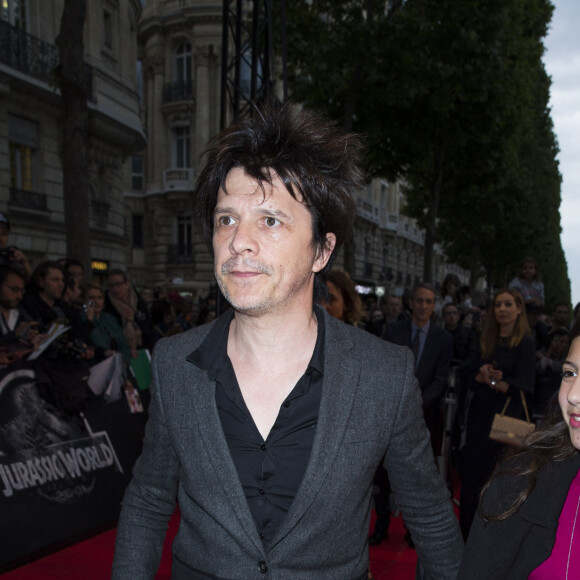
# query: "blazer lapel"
340,384
208,423
551,493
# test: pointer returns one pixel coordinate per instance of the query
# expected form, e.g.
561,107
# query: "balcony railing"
178,91
32,56
178,179
28,199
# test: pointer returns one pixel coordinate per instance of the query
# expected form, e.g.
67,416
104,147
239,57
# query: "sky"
562,61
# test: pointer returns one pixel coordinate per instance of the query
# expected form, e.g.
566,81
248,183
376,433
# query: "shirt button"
263,447
262,567
261,492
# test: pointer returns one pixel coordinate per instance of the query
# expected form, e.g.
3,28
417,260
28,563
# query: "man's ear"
324,253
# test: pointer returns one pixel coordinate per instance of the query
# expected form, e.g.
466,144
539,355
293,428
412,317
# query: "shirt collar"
211,355
422,329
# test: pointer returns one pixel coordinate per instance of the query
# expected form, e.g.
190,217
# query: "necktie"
416,346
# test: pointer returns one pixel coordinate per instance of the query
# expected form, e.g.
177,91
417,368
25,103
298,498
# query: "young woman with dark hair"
107,335
526,526
343,302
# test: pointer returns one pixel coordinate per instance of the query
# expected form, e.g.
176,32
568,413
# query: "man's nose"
244,239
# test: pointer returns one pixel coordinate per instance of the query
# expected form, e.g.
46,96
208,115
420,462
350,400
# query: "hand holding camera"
89,309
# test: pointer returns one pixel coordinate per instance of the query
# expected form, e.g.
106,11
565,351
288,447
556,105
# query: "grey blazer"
370,408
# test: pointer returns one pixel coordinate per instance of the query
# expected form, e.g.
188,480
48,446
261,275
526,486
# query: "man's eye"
271,222
225,220
567,374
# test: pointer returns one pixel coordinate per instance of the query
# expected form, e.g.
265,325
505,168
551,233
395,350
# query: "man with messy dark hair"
268,423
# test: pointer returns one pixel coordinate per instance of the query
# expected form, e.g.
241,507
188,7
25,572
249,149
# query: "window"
384,195
385,257
107,29
137,230
139,77
21,167
184,235
137,173
23,137
14,12
182,63
181,147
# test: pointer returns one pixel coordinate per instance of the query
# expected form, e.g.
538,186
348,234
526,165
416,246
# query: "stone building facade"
180,43
389,246
180,59
31,179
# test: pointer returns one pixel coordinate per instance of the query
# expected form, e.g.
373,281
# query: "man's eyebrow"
567,362
223,210
273,213
261,211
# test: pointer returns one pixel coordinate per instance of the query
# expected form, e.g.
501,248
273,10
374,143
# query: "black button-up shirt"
270,471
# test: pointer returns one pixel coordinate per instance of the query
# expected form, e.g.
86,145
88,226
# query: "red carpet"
91,559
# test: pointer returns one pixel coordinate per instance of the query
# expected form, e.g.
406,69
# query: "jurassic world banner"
62,475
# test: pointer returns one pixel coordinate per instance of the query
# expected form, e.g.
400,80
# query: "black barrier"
62,475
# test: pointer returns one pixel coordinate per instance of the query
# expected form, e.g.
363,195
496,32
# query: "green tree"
496,214
333,49
448,96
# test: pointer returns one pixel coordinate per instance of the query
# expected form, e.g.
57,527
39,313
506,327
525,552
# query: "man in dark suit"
267,424
432,349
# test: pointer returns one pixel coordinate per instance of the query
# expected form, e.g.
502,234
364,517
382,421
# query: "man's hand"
19,258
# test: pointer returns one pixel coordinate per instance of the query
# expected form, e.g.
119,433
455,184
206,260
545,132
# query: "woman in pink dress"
529,516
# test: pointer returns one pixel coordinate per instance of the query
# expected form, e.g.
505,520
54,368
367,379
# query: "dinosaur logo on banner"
44,451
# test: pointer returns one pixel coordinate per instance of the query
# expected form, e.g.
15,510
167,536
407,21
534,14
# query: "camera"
7,256
88,305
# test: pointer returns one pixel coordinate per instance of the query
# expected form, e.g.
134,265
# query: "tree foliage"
453,99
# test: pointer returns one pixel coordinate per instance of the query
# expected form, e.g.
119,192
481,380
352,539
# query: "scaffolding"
248,55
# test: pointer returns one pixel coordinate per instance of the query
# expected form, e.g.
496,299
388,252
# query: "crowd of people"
271,425
52,318
496,350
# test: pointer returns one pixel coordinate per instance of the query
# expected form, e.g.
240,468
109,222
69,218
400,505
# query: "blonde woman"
505,366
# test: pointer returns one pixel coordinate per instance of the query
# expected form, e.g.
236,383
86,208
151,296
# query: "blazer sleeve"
150,498
419,490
